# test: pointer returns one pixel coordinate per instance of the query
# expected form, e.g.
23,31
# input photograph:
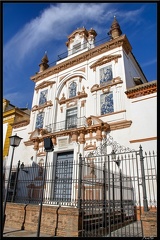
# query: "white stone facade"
130,121
91,95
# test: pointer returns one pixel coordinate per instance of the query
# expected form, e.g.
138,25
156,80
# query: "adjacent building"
12,115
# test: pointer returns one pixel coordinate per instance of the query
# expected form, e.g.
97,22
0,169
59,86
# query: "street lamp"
118,161
48,147
14,142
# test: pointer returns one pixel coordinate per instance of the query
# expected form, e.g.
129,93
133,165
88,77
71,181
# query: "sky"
31,29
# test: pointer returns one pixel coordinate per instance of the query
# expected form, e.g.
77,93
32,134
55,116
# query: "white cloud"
153,61
54,23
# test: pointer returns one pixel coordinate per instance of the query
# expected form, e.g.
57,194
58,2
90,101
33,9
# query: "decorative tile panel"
43,97
106,102
39,120
106,74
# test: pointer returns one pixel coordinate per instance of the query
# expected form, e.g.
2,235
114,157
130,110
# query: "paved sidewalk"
12,232
130,230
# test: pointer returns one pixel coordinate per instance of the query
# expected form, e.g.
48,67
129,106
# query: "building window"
76,47
43,97
72,89
39,120
107,103
106,74
71,118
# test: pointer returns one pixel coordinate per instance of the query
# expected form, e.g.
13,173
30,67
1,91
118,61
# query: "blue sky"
30,29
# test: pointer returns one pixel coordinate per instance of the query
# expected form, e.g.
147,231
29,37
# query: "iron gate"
113,193
110,190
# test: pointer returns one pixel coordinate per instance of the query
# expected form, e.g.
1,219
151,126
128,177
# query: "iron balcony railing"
67,124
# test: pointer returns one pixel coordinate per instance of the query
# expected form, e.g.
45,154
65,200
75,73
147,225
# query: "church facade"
94,92
93,103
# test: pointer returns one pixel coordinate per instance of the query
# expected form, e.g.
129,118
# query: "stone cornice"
79,96
105,47
37,137
105,59
82,130
142,90
107,85
120,124
46,104
85,130
143,139
44,84
21,123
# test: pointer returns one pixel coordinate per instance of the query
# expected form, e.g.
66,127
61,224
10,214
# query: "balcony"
66,125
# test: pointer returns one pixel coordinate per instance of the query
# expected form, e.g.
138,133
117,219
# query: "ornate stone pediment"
79,96
106,86
41,107
44,84
105,59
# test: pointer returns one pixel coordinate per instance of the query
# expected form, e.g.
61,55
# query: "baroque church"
95,92
94,102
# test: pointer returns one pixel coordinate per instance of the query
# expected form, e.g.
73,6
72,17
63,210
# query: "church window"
72,89
71,118
106,74
106,101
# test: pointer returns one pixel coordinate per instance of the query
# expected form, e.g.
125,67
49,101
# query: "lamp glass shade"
15,140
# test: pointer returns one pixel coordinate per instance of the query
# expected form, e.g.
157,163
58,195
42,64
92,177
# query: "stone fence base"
149,223
56,221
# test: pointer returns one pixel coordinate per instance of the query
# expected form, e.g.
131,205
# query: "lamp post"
118,161
48,147
14,142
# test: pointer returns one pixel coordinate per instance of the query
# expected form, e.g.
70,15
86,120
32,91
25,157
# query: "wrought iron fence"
107,189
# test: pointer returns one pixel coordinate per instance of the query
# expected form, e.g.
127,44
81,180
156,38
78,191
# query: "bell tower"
81,39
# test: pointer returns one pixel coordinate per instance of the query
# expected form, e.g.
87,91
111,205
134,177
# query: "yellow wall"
10,120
